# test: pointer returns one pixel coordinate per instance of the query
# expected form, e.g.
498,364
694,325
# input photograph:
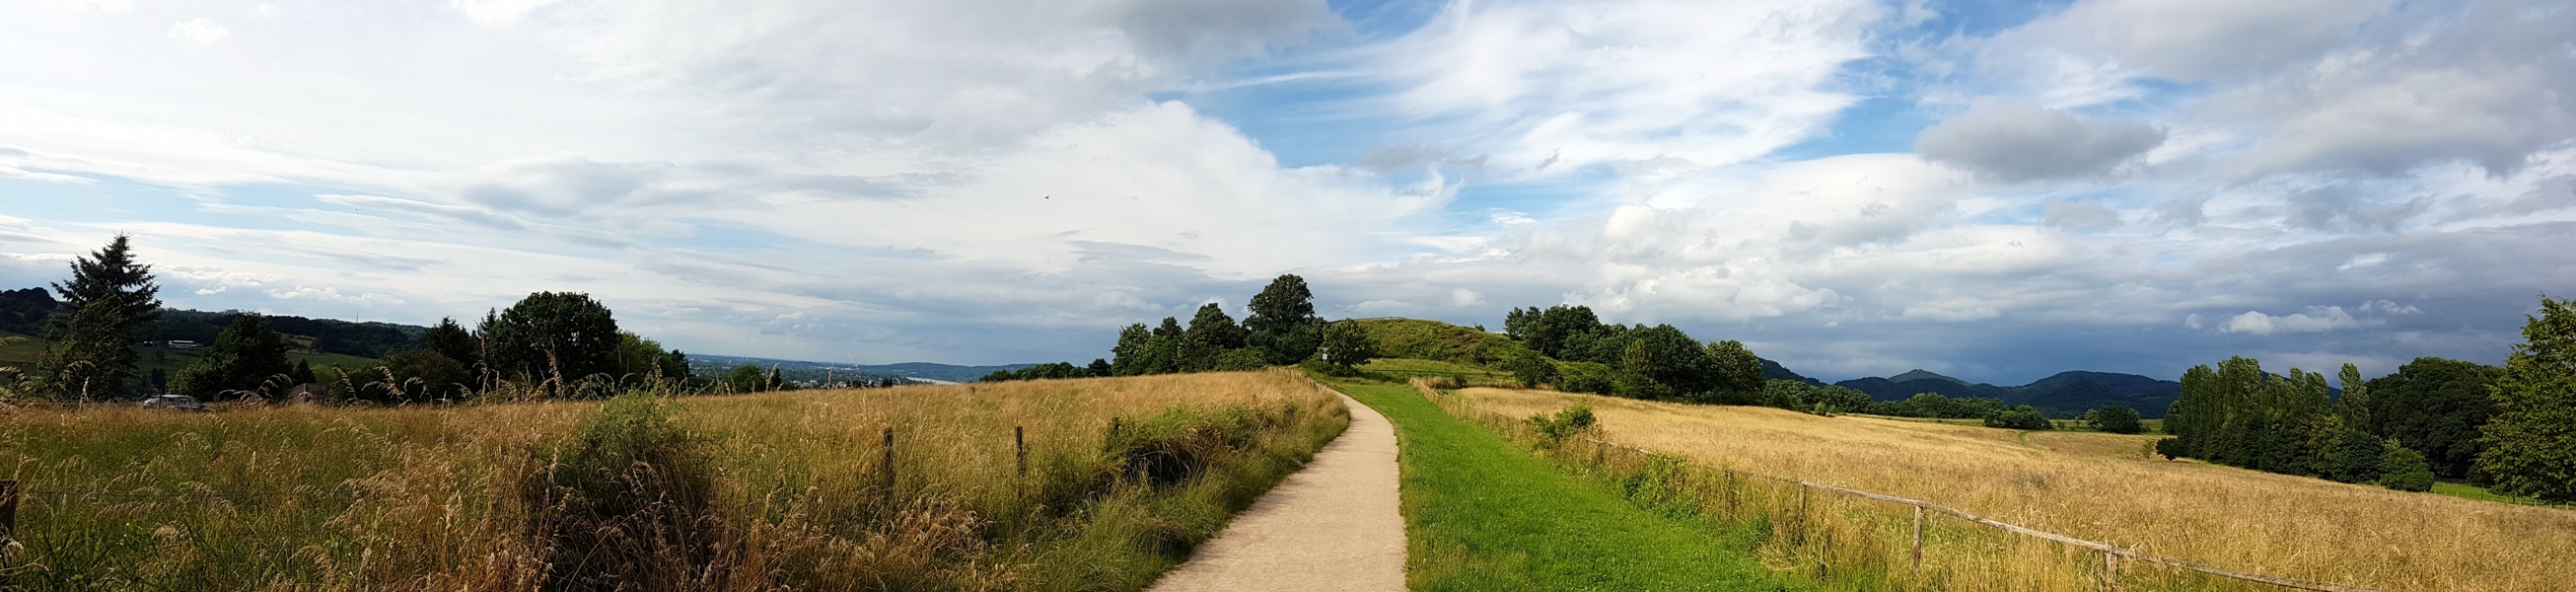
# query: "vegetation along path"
1483,514
1331,526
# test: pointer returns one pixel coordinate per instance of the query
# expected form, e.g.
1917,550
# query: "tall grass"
2100,487
747,492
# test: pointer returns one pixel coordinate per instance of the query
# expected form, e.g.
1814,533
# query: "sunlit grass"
445,498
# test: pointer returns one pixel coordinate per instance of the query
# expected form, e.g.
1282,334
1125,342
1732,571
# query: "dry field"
747,492
2094,486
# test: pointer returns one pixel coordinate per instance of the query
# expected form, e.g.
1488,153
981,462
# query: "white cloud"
199,31
2315,320
1547,87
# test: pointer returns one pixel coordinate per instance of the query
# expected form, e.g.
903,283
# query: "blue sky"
1996,191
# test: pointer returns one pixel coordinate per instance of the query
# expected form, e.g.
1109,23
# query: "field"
2094,486
747,492
168,360
1483,515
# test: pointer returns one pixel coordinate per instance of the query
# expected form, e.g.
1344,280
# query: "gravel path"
1332,526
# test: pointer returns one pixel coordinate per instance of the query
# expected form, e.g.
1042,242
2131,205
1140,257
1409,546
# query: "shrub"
1566,423
1532,369
2114,419
626,501
2019,418
1586,378
2170,448
2404,469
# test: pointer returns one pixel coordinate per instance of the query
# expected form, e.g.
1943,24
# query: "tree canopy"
2530,445
108,297
246,358
547,335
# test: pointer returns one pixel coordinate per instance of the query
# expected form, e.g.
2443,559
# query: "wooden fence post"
2110,572
1918,538
8,511
889,464
1020,449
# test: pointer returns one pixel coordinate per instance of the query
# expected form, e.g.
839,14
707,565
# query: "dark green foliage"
25,311
1663,362
1212,329
452,340
744,379
552,335
1587,377
1532,369
1735,374
2023,417
1809,397
2404,469
1934,405
419,376
303,373
2354,456
248,358
2530,445
1565,424
2170,448
365,340
1136,353
2114,419
1098,368
2239,415
89,358
1282,322
1551,331
629,497
1047,371
643,361
109,297
2436,407
1347,344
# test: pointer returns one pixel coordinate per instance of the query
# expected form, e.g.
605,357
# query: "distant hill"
2065,394
803,371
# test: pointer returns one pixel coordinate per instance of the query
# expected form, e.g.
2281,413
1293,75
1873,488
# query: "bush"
1587,378
2404,469
2114,419
2019,418
628,495
2170,448
1566,423
1532,369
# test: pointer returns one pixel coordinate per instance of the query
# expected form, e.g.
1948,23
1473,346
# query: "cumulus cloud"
2009,140
2060,212
2315,320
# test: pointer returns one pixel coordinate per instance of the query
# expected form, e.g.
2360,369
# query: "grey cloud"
2009,140
2185,211
2063,213
2487,83
1208,31
1107,251
2340,208
2193,41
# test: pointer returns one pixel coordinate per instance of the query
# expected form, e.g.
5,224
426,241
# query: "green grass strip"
1482,514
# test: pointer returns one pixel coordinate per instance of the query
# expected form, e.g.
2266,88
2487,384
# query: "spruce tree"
452,340
109,296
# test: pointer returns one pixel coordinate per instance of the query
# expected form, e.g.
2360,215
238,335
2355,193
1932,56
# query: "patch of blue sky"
1382,19
1983,18
103,200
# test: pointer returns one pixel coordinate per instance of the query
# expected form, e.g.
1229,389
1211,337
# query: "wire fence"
2111,555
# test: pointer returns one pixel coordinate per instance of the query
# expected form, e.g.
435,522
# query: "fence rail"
2111,553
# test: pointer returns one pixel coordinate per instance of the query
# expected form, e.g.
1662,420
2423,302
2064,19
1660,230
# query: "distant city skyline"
1995,192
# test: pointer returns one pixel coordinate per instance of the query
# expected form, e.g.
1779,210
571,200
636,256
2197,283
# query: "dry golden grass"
791,486
2094,486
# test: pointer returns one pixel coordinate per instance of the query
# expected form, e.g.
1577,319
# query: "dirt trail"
1332,526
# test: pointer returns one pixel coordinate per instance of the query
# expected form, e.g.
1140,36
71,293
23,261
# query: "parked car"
175,403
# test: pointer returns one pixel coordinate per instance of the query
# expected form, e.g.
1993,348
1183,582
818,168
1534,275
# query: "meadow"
2093,486
1118,480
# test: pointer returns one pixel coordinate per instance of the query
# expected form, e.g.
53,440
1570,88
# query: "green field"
1483,514
169,361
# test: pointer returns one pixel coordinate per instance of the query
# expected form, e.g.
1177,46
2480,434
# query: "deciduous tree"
2531,442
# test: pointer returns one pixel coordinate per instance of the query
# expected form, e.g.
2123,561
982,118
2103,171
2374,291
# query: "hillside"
816,372
2065,394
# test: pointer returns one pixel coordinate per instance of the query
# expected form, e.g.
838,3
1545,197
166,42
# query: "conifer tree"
108,297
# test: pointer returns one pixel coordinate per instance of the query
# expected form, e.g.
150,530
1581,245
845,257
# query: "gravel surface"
1332,526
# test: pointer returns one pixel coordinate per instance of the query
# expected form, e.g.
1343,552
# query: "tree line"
2512,428
1280,329
549,344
